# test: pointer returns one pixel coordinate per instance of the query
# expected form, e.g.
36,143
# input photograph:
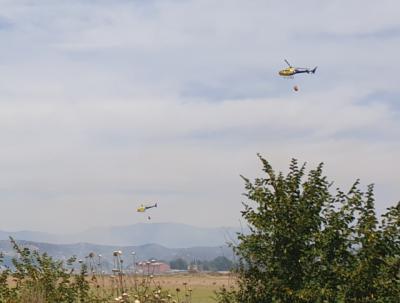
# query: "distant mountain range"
172,235
142,252
160,241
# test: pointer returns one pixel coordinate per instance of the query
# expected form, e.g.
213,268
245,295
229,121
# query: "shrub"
309,243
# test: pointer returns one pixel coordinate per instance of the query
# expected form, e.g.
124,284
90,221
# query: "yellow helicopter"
291,71
142,208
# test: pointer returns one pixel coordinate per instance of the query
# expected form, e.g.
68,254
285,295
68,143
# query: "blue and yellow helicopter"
291,71
142,208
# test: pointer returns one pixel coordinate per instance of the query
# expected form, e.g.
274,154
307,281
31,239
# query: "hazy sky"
107,104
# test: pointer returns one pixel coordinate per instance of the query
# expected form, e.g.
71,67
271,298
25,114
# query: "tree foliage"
220,263
310,243
179,264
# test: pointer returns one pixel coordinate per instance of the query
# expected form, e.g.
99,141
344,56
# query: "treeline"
220,263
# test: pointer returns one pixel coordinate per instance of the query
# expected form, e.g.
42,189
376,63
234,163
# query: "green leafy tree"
310,244
5,291
221,263
179,264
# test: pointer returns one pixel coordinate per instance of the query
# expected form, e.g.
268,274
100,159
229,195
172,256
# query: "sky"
108,104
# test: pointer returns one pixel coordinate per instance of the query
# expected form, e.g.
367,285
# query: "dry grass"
200,287
195,280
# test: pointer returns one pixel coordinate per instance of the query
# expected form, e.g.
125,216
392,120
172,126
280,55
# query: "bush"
38,278
308,244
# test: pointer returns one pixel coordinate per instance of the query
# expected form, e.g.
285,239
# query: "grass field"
203,285
198,287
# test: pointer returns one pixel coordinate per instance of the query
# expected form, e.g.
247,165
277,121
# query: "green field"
203,285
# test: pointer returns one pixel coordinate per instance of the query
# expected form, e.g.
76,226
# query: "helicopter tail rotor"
314,69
